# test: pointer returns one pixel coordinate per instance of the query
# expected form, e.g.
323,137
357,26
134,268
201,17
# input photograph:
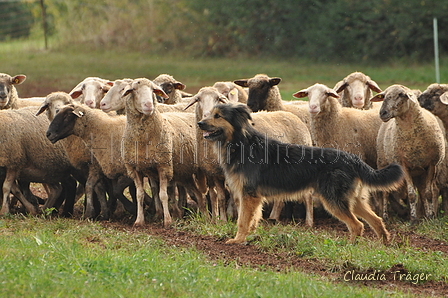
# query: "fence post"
44,22
436,50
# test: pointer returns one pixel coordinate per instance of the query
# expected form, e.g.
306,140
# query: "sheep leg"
221,198
7,185
101,194
412,198
68,191
154,184
182,201
53,192
138,180
213,197
89,189
22,198
248,216
431,195
163,185
118,186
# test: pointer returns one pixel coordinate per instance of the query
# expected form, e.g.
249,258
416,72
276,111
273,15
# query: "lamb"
158,145
265,95
27,155
90,91
80,157
172,88
280,125
355,91
232,91
411,137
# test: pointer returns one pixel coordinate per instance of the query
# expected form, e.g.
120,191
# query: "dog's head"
224,121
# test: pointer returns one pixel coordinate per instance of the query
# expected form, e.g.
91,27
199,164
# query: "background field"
43,257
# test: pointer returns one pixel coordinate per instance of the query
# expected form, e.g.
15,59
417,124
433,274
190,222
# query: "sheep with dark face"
172,88
355,91
8,91
411,136
264,95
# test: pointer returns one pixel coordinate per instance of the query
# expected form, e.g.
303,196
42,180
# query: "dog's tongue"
206,134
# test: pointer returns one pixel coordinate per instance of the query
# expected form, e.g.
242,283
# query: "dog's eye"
217,116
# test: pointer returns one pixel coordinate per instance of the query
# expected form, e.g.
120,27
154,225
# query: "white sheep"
90,91
158,145
279,125
265,95
411,136
232,91
355,90
8,92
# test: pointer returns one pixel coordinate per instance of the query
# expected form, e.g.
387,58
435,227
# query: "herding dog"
257,167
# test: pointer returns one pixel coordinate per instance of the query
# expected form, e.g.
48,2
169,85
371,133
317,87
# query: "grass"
69,258
336,252
63,68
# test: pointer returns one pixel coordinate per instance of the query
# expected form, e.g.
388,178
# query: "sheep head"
318,95
206,98
435,100
260,88
397,100
143,99
64,122
90,91
356,90
115,99
7,89
169,85
53,103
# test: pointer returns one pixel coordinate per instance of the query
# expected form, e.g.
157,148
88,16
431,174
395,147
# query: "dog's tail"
385,179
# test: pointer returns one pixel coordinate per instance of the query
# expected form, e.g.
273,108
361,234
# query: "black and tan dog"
256,168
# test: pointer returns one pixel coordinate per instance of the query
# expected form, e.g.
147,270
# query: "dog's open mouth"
212,134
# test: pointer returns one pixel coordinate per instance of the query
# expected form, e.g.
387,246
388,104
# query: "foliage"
16,20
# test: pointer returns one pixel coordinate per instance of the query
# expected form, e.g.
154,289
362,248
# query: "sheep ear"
224,99
233,95
78,112
340,86
301,94
110,83
332,93
378,97
127,90
412,96
274,81
42,108
160,92
75,94
444,98
242,83
193,100
374,86
18,79
179,86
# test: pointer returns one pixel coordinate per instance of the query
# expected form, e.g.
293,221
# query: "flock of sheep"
108,136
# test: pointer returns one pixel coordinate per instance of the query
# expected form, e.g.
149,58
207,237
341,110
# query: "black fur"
271,168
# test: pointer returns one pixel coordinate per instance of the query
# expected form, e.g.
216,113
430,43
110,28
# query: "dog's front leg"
248,216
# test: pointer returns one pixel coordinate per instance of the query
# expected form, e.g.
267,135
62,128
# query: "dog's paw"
235,241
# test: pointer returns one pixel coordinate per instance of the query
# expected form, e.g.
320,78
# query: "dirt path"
248,255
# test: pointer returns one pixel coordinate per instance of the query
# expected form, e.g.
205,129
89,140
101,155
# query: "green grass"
69,258
64,67
334,249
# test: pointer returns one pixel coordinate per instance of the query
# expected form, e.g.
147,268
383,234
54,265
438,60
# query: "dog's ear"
244,111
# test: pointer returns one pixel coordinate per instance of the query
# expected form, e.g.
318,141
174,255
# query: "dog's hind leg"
342,212
248,217
362,209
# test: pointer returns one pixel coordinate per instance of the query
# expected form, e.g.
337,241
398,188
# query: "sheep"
411,137
90,91
158,145
172,88
355,91
27,155
265,95
435,100
8,91
80,157
102,134
280,125
115,101
232,91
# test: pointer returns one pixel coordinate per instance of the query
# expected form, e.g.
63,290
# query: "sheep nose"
89,103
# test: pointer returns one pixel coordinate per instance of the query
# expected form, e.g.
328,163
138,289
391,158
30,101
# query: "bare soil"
249,255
